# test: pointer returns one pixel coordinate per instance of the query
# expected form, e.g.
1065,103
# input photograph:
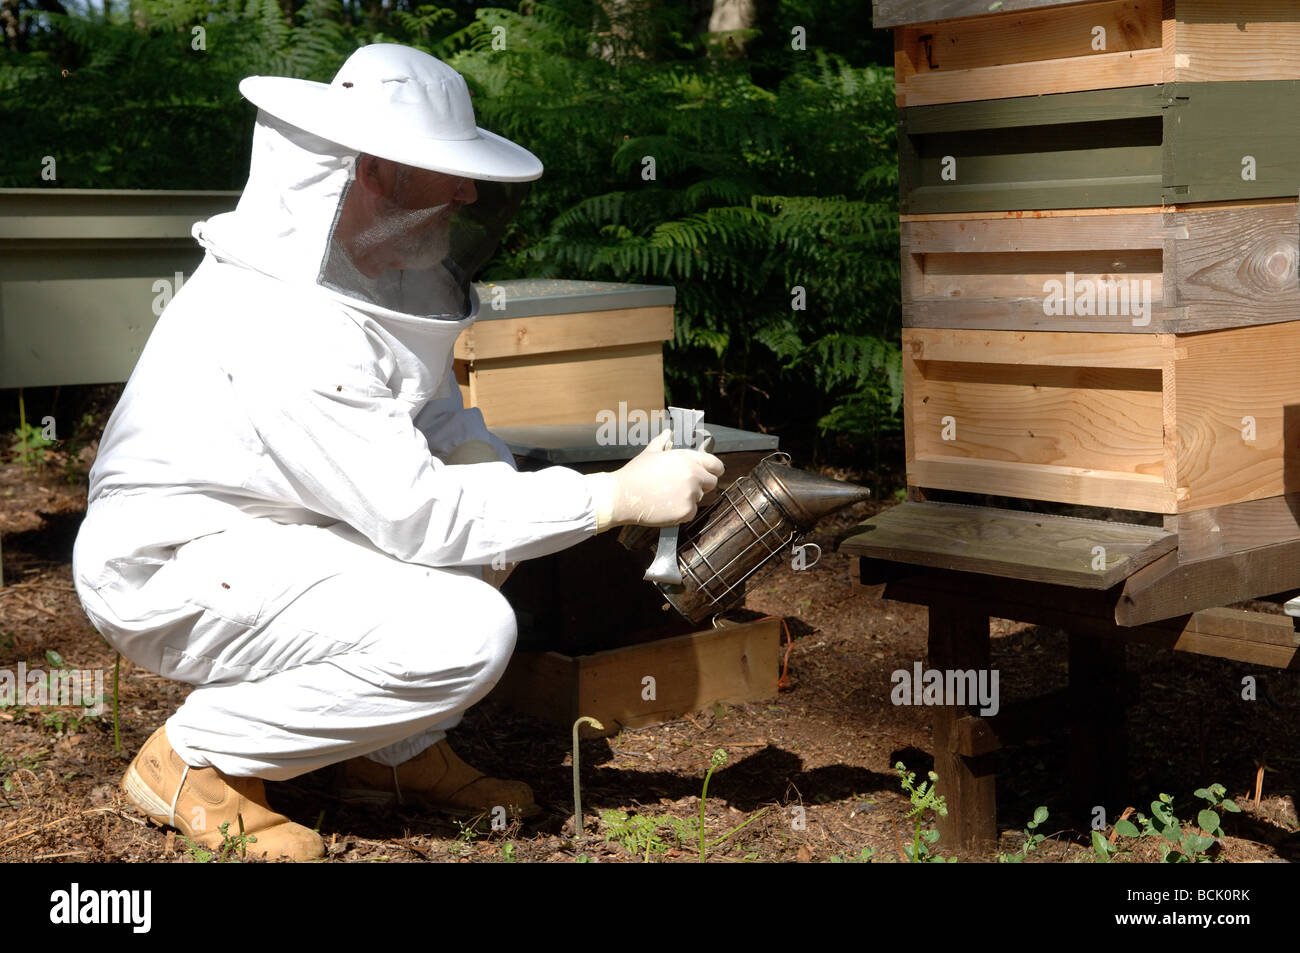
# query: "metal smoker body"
750,525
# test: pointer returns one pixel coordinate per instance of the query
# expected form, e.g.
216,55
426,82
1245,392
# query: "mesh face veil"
411,240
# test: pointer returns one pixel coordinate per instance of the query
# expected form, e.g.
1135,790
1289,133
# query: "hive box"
1138,146
1032,47
1163,423
1179,269
560,352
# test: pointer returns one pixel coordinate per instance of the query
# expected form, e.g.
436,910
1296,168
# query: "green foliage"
1178,841
924,798
756,193
638,834
771,209
233,848
1032,840
864,857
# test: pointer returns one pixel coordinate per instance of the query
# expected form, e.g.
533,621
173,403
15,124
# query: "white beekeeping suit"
275,515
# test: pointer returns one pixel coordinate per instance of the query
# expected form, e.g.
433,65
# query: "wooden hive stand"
1101,332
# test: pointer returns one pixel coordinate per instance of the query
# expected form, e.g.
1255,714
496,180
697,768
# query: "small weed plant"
924,798
231,850
1180,842
1032,840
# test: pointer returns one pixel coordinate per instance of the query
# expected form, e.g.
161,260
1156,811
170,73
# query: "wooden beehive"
1034,48
1099,255
561,352
1163,423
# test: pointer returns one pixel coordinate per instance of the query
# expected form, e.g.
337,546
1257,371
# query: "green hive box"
1136,146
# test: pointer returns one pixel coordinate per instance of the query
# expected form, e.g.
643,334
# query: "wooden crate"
1162,423
1034,48
736,663
561,352
1138,146
1149,270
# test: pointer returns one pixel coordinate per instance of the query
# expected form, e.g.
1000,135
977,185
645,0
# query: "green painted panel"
1125,147
73,332
1219,125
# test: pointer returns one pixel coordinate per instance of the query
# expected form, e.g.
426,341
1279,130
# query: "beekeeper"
292,510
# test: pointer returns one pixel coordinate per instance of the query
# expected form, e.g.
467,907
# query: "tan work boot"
435,778
196,801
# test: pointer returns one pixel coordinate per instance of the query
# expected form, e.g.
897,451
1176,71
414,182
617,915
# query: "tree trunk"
9,23
727,23
615,28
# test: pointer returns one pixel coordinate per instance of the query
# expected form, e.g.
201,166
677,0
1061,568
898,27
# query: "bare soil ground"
827,745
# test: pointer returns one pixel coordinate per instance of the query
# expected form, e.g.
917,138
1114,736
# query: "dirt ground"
809,773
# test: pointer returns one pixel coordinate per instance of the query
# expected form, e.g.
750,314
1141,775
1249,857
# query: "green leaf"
1201,792
1040,815
1173,833
54,658
1126,828
1101,846
1208,820
1230,806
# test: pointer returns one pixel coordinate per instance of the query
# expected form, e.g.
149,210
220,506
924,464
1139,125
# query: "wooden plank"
1128,491
1120,230
1035,36
1196,269
538,390
1031,546
887,13
1047,349
1236,266
734,664
1220,530
544,334
1241,40
959,640
1166,589
1082,417
1238,413
1235,634
540,684
1026,314
1067,74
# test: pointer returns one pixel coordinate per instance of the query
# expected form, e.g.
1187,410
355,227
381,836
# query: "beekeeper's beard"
409,239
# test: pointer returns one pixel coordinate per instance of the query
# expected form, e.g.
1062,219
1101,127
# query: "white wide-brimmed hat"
401,104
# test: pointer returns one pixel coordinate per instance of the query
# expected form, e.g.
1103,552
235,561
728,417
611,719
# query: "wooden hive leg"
1098,756
959,640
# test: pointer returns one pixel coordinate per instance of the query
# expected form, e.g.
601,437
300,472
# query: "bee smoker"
749,526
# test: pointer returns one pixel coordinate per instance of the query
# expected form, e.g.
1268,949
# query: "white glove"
657,487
